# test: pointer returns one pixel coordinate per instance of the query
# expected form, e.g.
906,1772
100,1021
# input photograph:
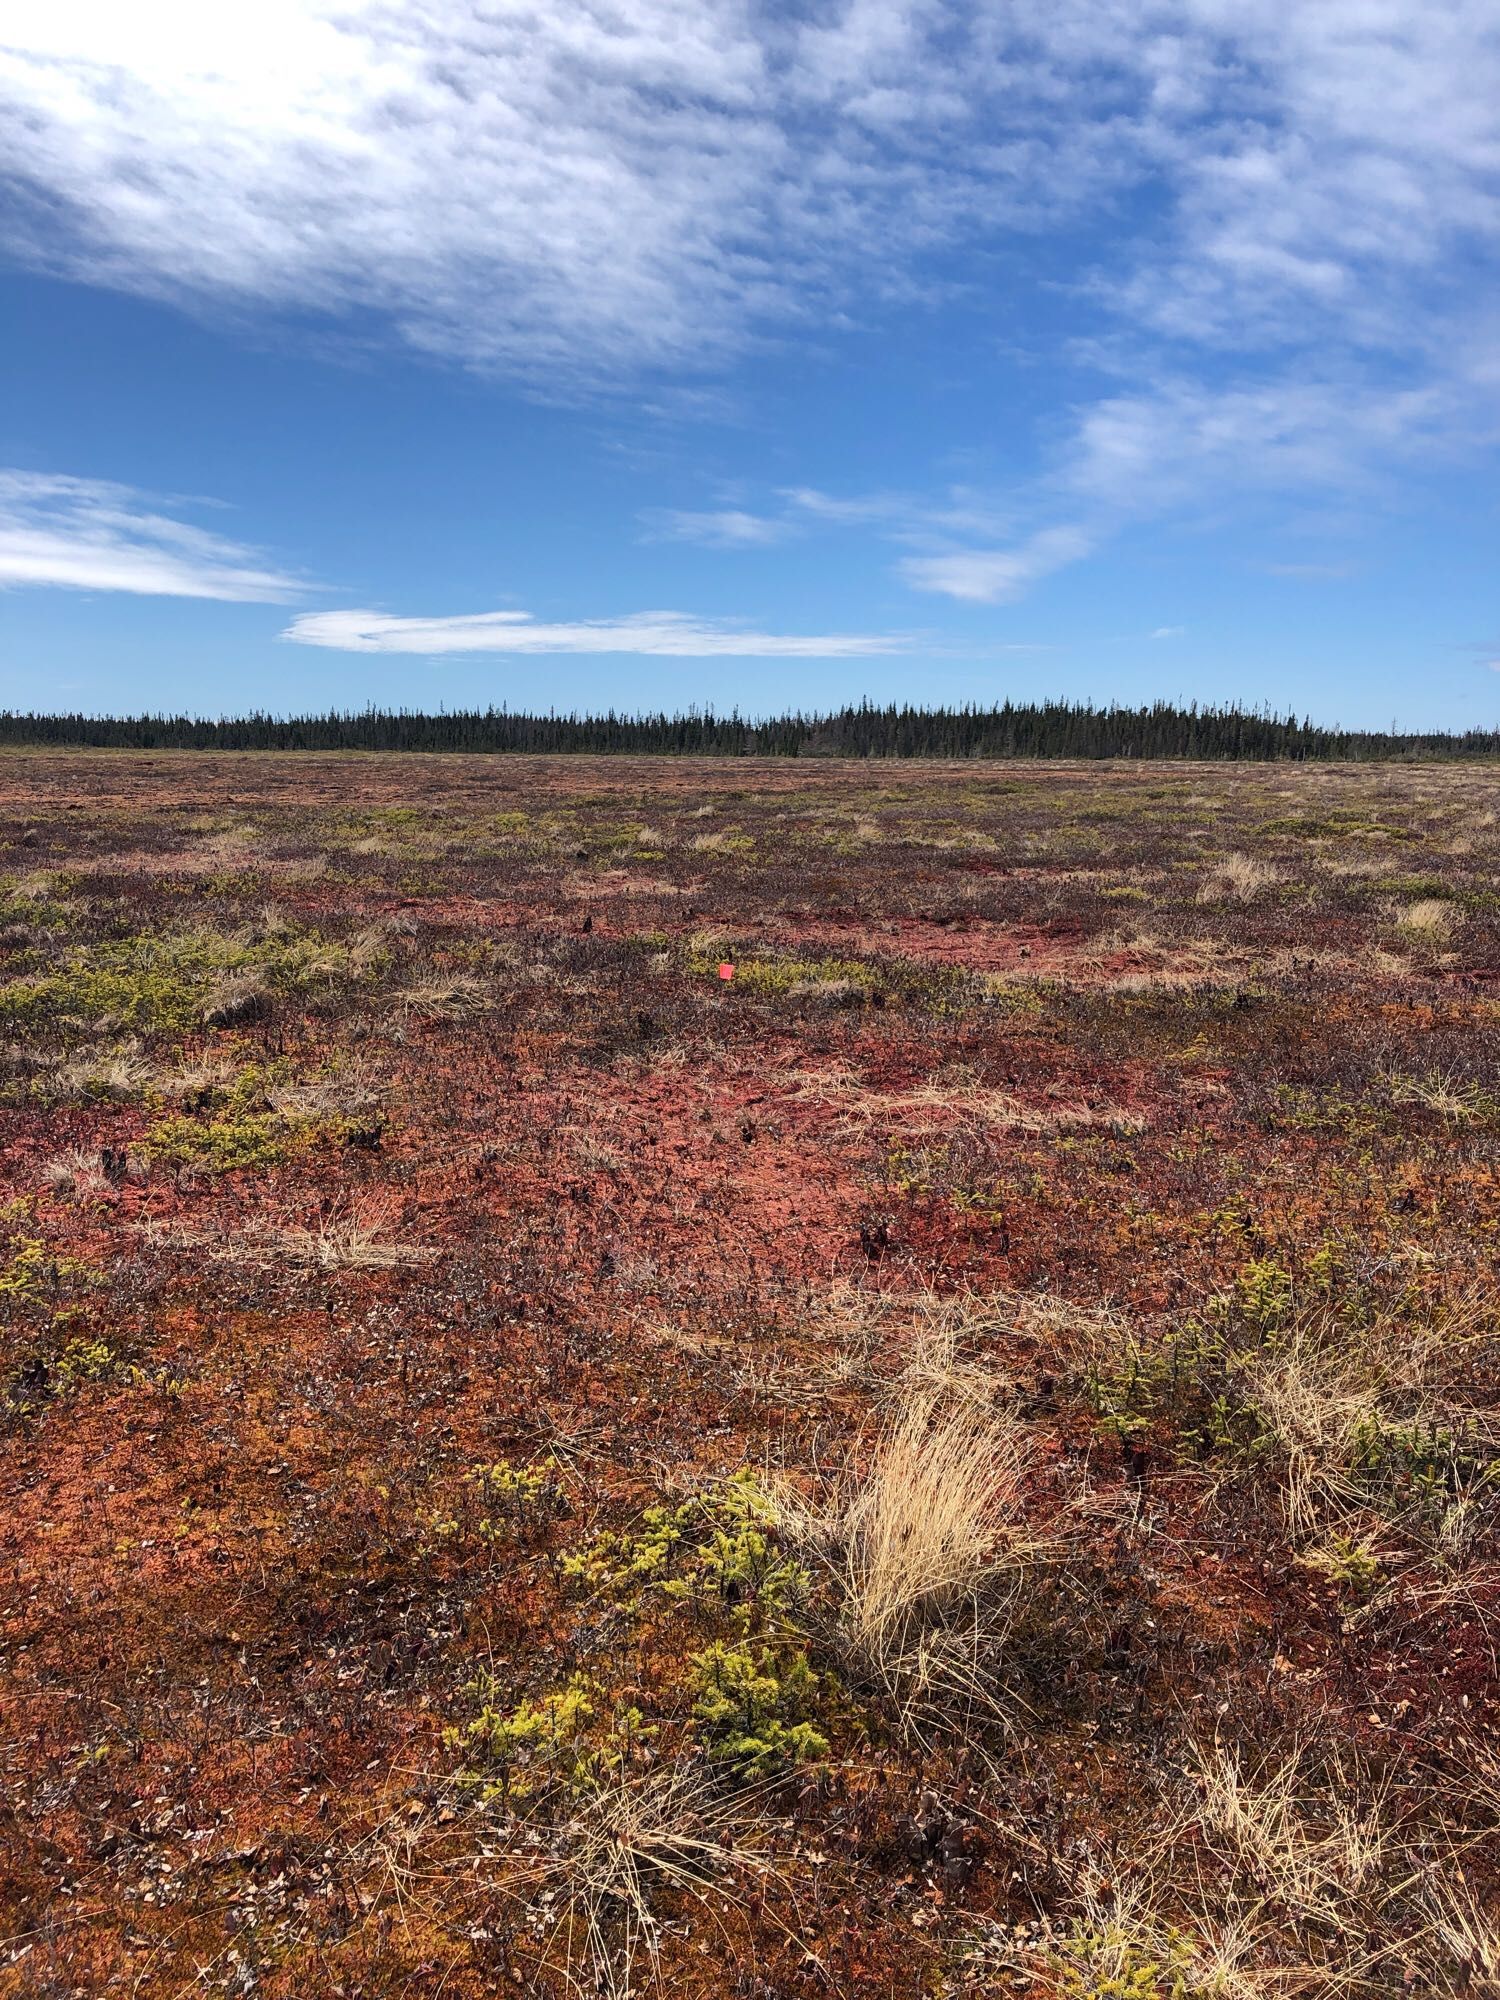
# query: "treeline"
1024,729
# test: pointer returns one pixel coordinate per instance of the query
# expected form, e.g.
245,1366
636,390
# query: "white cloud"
996,576
1178,444
87,534
1157,447
664,633
1169,632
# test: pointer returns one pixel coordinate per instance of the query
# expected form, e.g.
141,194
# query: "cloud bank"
585,188
87,534
668,634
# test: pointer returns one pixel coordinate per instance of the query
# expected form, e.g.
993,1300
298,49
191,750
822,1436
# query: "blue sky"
683,351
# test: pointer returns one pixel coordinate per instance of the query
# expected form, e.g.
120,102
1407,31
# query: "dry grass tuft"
458,997
342,1241
945,1101
1326,1392
1430,919
76,1172
1262,1821
118,1073
1315,1395
1288,1876
1238,878
926,1554
236,1002
1442,1091
1466,1936
624,1842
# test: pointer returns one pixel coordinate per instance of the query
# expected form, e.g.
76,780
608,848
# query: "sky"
662,353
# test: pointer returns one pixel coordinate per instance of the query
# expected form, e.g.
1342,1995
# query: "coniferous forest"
1010,730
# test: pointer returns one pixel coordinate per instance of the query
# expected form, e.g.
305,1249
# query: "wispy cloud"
996,576
663,633
88,534
726,528
1312,572
858,510
1168,632
1175,445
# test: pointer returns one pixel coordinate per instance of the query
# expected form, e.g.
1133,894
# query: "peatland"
958,1459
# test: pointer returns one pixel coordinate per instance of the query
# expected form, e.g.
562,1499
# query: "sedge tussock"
1431,917
1331,1397
1444,1091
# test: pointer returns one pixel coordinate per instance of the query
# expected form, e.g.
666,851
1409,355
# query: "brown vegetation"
960,1459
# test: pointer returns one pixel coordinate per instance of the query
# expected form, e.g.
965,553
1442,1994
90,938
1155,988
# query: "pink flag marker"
726,972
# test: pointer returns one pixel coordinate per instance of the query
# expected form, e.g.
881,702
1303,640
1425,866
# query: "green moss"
1424,888
241,1131
769,978
1264,1293
218,1145
1349,825
718,1547
514,1500
1351,1565
32,1272
82,1360
34,906
231,883
44,1309
566,1738
1106,1962
153,983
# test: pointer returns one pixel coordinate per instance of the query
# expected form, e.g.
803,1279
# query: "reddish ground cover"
465,1365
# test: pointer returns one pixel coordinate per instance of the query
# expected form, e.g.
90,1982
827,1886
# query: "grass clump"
1346,1402
1455,1099
622,1843
1238,878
